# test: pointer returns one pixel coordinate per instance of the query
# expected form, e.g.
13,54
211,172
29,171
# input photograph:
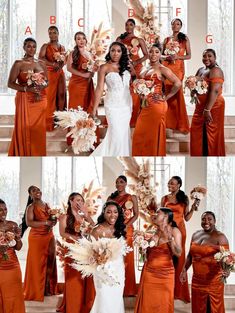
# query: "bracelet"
46,223
25,88
206,110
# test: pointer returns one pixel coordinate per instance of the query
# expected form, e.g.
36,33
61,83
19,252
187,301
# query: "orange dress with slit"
177,117
156,290
11,291
56,87
149,138
207,286
181,291
130,288
38,261
29,135
208,139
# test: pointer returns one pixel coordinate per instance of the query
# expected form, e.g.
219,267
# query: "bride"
110,225
117,103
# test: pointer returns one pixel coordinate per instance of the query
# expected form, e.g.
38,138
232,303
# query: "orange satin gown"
149,138
37,260
11,291
29,135
79,293
207,287
56,87
181,291
138,68
177,117
156,291
208,139
81,90
130,288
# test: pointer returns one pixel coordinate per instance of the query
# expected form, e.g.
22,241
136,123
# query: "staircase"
176,143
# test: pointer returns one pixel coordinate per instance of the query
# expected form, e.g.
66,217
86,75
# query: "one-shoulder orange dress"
177,117
11,291
149,138
29,135
156,290
208,139
207,286
37,263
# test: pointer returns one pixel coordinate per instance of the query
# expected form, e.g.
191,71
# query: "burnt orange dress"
134,51
177,117
11,291
79,293
149,138
207,286
130,288
208,139
156,291
38,259
29,135
181,291
56,88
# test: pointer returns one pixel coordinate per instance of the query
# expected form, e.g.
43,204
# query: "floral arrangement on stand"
197,86
7,240
82,128
227,261
198,193
36,80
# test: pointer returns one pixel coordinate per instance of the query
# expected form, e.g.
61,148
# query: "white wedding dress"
118,110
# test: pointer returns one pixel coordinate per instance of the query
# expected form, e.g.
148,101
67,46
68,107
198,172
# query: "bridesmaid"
29,135
56,91
41,273
149,138
178,202
23,226
129,205
156,291
177,118
207,128
134,46
79,293
207,285
11,292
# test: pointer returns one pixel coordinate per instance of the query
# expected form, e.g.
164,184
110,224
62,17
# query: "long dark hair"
76,52
23,226
119,225
115,193
124,35
181,197
181,36
70,217
170,215
124,60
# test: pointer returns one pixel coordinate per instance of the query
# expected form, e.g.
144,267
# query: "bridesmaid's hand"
207,116
183,276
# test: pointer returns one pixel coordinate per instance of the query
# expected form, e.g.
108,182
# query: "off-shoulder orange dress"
41,241
130,288
11,291
156,290
56,90
181,291
208,139
149,138
177,117
29,135
207,286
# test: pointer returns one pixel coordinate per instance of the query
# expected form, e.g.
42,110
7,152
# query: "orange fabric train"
149,138
11,292
29,136
130,288
207,287
156,291
56,91
208,139
181,291
38,260
177,115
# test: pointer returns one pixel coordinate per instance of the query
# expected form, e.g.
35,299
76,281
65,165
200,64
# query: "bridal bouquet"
198,193
94,257
7,240
227,261
82,128
143,240
36,80
143,88
197,86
